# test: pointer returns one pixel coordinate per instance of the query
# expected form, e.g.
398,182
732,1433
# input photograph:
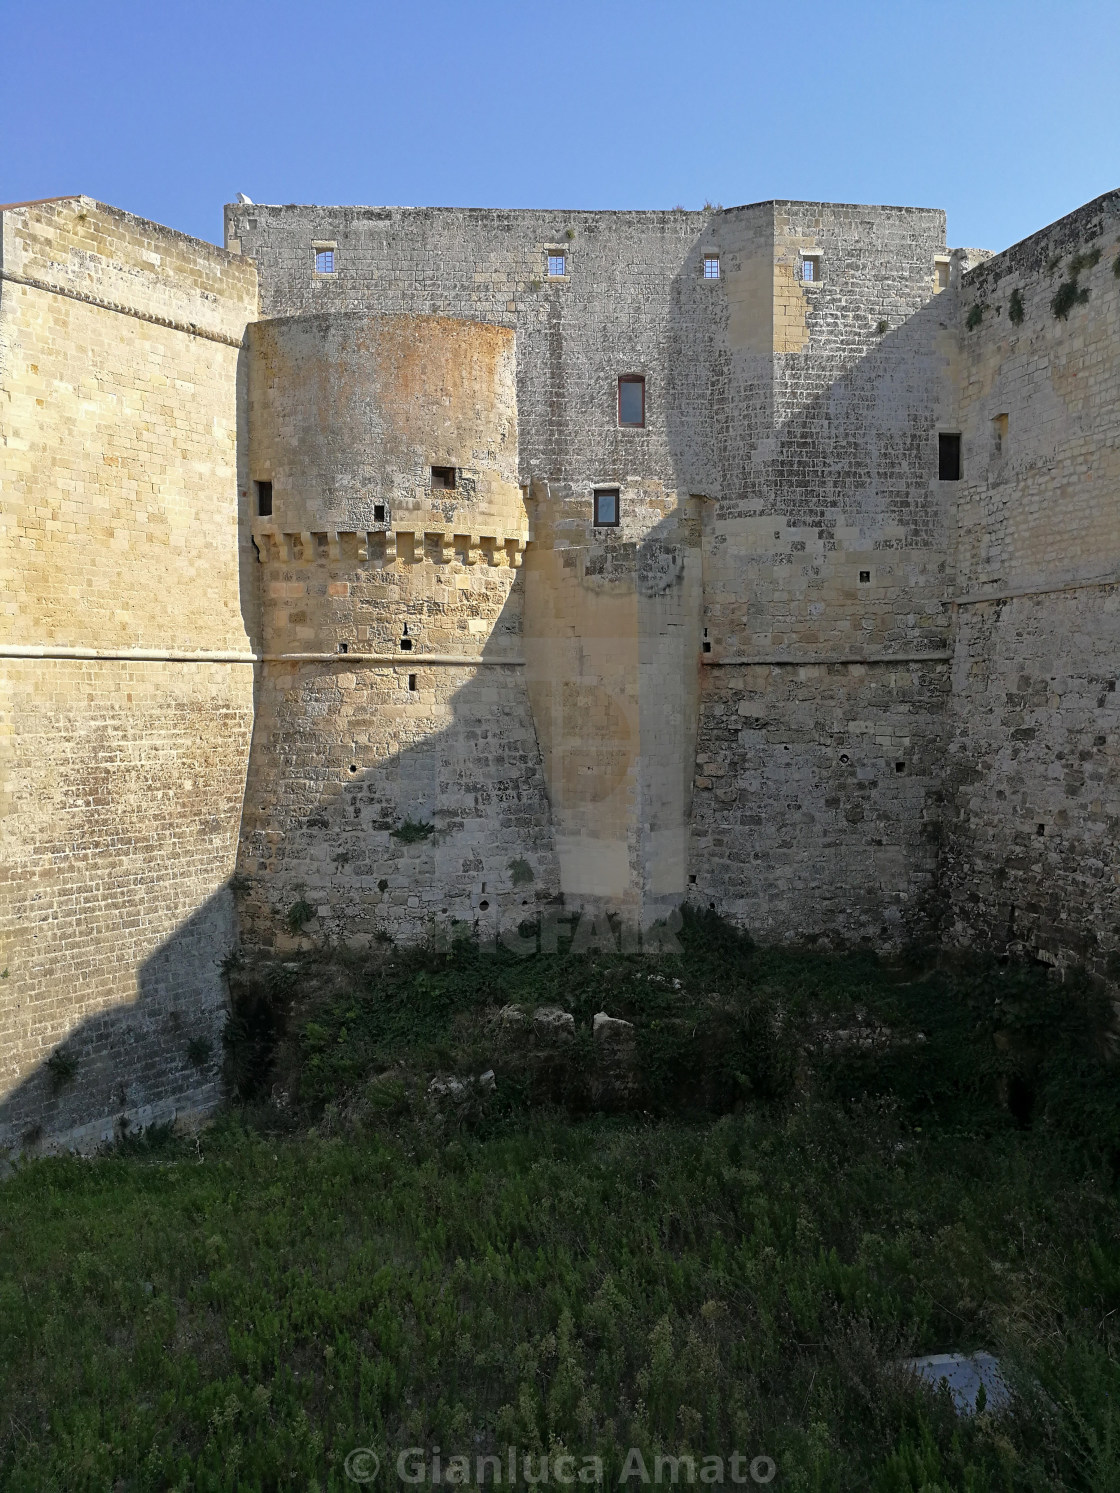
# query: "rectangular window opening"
942,267
379,513
632,400
810,268
949,456
443,478
711,266
606,507
324,261
999,436
264,499
412,681
865,577
557,264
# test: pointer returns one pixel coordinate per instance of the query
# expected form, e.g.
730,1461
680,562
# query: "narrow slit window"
942,268
443,478
999,437
324,261
606,507
264,499
412,681
711,266
557,265
810,268
632,400
949,455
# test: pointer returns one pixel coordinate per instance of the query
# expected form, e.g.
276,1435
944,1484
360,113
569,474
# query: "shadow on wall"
817,805
152,1061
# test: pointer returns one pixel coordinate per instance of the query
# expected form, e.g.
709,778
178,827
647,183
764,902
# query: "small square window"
606,508
557,265
711,266
443,478
264,499
324,261
865,577
632,400
949,456
810,268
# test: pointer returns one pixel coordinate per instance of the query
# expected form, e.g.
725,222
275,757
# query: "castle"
392,567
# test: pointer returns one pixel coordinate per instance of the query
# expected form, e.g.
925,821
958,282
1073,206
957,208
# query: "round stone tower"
395,778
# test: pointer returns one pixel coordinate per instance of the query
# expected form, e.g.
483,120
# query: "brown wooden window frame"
606,492
640,380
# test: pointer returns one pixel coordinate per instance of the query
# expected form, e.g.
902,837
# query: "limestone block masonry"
433,566
126,668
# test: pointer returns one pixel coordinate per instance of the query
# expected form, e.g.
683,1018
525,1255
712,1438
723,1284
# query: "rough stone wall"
1033,771
122,770
826,574
393,684
808,430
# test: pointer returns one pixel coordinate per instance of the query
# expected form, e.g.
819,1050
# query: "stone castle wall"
424,719
123,770
1033,770
789,444
804,680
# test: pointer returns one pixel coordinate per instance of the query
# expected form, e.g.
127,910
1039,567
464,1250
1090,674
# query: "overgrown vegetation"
62,1066
815,1166
1070,292
412,831
975,316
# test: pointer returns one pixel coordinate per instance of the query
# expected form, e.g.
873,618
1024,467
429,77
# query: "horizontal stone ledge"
1088,583
391,660
134,655
771,660
190,328
183,656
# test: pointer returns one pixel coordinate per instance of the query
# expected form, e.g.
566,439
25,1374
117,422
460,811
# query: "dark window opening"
344,647
900,767
443,477
632,400
706,645
264,499
948,456
353,767
692,881
412,681
379,513
406,641
810,268
865,577
1041,830
606,508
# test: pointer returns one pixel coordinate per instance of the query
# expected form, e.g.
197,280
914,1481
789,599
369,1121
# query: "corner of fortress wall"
1032,774
803,680
123,771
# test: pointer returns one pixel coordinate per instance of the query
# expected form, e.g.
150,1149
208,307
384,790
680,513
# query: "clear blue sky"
1005,114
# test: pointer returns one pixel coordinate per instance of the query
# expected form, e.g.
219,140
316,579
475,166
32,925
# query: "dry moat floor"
715,1231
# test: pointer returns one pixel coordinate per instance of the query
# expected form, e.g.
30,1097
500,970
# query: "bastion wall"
125,666
1032,775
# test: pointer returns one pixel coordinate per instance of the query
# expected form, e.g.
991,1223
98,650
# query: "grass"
719,1266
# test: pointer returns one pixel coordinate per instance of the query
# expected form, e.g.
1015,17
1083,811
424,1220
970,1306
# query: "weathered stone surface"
611,1028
